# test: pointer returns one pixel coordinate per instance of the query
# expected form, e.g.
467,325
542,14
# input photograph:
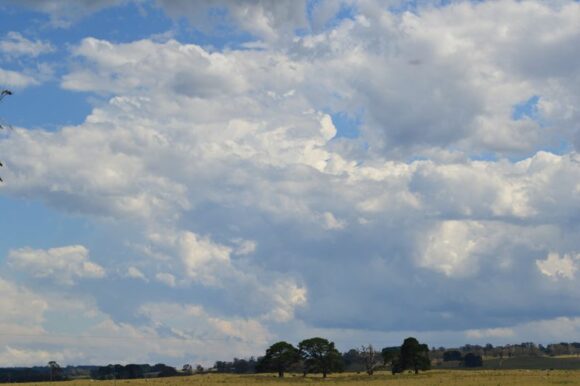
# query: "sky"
187,182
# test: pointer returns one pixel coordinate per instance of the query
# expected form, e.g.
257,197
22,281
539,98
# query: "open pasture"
431,378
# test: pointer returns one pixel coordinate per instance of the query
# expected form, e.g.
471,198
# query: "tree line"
473,355
311,356
54,372
319,355
315,355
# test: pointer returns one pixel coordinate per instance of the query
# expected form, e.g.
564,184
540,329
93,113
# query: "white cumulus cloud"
556,266
231,178
64,265
14,44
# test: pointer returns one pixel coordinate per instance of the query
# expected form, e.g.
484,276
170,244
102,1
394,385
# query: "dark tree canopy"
55,370
390,354
452,355
414,356
279,357
132,371
472,360
187,369
319,355
352,359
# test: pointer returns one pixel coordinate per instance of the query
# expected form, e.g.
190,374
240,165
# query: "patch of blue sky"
347,126
527,109
415,5
345,11
50,107
119,24
225,37
562,146
28,223
217,33
122,24
487,156
46,107
310,6
126,23
558,147
21,20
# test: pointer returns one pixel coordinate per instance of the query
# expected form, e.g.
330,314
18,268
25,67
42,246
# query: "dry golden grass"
431,378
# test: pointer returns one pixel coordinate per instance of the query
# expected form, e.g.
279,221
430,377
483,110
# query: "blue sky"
197,180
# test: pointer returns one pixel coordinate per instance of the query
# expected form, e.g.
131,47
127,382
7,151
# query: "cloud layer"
230,200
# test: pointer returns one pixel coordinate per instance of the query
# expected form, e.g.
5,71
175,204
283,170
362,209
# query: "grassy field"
430,378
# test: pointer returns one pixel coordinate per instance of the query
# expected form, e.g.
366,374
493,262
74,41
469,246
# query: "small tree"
370,357
352,359
414,356
187,369
472,360
452,355
319,355
54,370
279,357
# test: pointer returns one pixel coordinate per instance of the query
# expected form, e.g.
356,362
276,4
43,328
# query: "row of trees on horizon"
314,355
318,355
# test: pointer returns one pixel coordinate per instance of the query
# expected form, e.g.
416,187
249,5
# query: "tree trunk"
280,373
323,373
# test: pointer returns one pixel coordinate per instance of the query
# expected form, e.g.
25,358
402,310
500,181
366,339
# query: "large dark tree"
319,355
279,357
390,354
413,356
